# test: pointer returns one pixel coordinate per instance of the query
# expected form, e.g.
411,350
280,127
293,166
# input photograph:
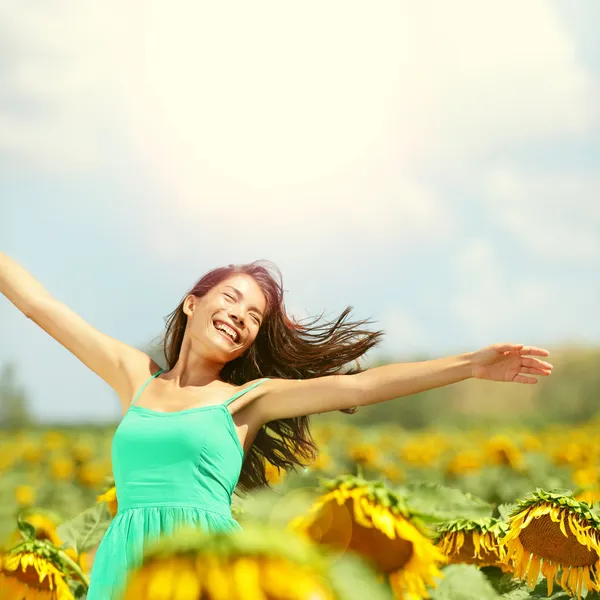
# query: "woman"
236,363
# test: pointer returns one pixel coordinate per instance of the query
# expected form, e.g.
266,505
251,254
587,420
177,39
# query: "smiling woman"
242,379
263,342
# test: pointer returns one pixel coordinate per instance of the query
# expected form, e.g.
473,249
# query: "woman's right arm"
119,364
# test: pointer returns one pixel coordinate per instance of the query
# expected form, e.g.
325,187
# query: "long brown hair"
283,349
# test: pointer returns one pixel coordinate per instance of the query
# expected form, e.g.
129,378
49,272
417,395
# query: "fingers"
534,371
538,364
524,379
508,347
534,351
521,349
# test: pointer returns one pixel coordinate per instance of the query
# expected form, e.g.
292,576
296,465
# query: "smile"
226,331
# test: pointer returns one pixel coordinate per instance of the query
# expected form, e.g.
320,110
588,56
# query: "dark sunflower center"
543,538
335,526
31,578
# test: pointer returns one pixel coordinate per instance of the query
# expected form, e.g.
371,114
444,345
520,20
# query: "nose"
236,316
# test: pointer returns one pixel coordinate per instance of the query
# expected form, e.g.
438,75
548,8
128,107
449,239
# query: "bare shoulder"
138,368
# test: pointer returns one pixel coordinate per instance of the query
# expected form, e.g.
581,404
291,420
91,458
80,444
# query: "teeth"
230,332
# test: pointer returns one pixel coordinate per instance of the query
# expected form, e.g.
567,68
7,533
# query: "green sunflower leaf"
505,584
464,582
86,530
505,510
541,591
27,529
353,579
443,503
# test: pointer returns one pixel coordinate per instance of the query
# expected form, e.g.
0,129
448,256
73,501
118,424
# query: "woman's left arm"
283,398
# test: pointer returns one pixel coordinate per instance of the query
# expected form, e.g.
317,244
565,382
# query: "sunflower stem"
75,567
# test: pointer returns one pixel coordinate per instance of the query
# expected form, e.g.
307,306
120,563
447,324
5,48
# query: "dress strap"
242,392
144,386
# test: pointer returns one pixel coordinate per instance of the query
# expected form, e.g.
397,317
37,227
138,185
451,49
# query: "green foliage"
501,484
85,531
464,582
439,503
467,582
353,579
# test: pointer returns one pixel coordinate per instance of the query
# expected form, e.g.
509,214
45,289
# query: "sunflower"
90,474
25,495
34,571
322,462
572,453
531,443
54,440
31,451
463,462
423,450
501,450
392,472
367,454
552,533
62,468
474,542
369,519
110,497
586,476
258,563
45,523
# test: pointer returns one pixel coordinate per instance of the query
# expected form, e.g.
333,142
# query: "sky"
433,165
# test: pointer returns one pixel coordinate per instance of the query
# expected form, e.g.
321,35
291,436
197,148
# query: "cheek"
252,338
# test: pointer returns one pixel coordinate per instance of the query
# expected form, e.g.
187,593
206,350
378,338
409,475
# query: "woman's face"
225,322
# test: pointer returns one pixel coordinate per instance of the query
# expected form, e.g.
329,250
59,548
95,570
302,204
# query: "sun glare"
266,97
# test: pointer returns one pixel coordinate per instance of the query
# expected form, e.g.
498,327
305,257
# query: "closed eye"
256,319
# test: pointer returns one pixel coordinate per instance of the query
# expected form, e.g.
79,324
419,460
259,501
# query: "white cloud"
492,303
553,216
59,84
314,124
320,127
403,334
279,96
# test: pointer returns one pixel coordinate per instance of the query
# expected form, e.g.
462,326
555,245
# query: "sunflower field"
503,511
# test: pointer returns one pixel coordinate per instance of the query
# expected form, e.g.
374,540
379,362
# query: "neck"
193,368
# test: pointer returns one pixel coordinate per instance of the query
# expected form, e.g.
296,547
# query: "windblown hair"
284,349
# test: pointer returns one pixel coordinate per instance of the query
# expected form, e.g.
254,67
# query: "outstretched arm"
500,362
119,364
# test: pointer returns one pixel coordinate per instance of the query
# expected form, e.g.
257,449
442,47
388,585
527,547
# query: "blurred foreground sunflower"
31,576
475,542
45,523
37,570
556,535
369,519
257,563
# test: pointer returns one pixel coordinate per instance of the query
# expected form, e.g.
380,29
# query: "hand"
510,362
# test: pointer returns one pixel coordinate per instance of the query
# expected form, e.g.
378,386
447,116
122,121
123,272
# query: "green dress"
170,469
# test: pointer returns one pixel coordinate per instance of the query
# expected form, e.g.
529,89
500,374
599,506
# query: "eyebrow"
240,295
